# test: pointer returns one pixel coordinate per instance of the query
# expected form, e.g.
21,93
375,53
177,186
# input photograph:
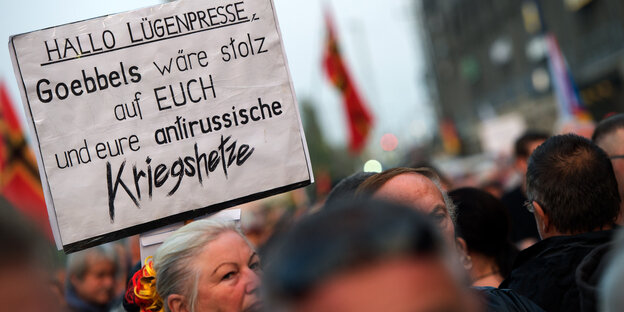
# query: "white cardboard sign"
152,116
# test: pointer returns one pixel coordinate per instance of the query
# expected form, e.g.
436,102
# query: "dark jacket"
588,275
77,304
545,272
506,300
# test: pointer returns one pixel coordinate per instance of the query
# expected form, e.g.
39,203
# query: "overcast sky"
379,40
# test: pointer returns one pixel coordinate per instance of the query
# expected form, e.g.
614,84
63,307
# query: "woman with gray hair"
206,265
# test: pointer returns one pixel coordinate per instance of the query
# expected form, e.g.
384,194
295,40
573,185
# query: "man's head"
364,256
416,188
609,135
571,187
91,273
525,145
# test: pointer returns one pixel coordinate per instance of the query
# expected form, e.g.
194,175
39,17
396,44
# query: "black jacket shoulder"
546,271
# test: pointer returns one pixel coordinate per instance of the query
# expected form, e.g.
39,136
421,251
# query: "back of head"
20,242
607,127
483,222
26,266
521,145
346,237
573,181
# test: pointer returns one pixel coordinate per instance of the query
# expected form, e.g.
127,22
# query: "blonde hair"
173,262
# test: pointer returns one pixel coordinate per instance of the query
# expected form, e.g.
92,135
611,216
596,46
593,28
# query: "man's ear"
177,303
543,220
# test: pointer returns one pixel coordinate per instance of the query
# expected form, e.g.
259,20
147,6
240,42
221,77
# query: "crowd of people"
398,240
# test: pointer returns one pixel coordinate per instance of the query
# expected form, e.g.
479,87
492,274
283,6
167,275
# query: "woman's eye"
228,276
255,266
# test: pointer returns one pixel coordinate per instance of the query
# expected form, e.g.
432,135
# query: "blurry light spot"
536,49
540,79
501,51
389,142
372,166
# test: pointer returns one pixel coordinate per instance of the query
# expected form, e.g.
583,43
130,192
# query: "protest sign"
153,116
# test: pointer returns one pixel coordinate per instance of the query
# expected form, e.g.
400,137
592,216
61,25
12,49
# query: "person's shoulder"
556,256
506,300
532,262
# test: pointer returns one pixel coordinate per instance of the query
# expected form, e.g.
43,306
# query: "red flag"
19,177
359,118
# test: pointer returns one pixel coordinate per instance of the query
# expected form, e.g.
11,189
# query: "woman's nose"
253,281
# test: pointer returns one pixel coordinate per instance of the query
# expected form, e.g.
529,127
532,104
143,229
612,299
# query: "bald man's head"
416,188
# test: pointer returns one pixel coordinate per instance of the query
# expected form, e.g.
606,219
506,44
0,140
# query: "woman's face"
229,276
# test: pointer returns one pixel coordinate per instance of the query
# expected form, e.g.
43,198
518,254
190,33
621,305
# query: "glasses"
616,156
528,204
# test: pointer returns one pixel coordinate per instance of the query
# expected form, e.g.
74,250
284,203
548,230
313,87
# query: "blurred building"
487,58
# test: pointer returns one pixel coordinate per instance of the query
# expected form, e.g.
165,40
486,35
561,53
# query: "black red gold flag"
19,177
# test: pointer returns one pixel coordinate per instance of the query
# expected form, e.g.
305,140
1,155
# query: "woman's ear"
177,303
462,249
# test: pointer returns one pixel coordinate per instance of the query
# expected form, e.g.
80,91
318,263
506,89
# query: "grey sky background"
379,40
